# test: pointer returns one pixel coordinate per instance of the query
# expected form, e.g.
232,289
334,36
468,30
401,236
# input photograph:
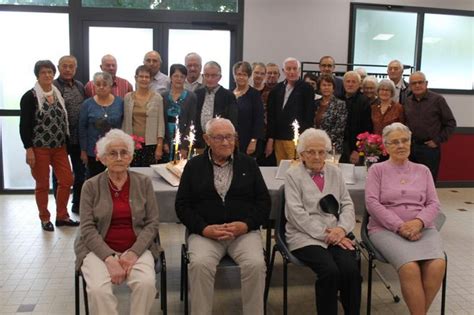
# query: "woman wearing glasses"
98,115
119,225
384,110
250,111
43,131
402,202
317,233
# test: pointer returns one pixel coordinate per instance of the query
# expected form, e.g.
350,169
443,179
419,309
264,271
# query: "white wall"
309,29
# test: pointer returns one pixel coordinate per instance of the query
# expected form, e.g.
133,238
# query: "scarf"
41,97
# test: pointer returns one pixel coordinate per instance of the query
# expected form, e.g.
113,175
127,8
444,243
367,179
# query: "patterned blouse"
394,113
333,121
50,127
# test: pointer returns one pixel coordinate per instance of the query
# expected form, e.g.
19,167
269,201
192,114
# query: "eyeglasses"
417,82
399,141
221,138
315,153
115,155
211,75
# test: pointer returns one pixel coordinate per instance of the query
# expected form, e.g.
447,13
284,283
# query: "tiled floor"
36,267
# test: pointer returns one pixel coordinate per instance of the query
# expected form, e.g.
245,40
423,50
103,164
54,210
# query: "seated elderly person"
315,234
401,199
119,225
222,200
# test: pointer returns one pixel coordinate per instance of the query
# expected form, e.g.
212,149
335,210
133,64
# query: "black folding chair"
374,254
160,267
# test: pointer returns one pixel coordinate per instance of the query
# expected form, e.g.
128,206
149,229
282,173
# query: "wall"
309,29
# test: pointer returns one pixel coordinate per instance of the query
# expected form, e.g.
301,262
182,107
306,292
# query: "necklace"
115,190
104,108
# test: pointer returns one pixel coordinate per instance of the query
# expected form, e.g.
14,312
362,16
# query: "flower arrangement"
371,146
139,142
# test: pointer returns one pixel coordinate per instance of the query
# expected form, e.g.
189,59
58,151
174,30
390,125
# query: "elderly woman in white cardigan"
316,232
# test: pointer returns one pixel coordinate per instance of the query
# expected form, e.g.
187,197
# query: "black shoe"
67,222
47,226
75,208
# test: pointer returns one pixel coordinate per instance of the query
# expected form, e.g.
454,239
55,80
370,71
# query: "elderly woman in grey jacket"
119,225
320,215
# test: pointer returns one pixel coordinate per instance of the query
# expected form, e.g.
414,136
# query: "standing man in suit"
327,65
395,73
289,100
212,100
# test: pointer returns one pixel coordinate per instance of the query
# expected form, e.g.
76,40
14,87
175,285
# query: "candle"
296,133
177,139
191,137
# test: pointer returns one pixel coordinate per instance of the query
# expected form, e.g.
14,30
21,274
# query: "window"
16,77
52,3
419,37
211,45
448,38
170,5
110,40
381,36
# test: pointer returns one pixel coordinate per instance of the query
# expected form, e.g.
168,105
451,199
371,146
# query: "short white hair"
114,135
371,79
400,64
193,54
214,121
352,74
387,83
312,133
361,71
291,59
396,126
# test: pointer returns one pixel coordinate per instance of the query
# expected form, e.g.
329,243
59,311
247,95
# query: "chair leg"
185,288
369,284
443,289
285,287
269,276
76,293
164,297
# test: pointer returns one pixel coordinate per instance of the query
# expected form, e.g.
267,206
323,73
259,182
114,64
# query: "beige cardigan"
155,123
96,214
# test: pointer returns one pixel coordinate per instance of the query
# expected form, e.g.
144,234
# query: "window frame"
82,17
421,11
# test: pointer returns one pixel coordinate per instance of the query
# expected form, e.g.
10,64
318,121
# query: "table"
166,194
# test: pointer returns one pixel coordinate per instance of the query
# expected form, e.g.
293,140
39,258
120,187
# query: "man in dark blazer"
402,89
213,100
289,100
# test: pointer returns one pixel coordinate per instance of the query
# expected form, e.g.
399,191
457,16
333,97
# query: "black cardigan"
198,204
225,106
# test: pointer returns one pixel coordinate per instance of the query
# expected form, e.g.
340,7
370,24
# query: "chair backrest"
280,229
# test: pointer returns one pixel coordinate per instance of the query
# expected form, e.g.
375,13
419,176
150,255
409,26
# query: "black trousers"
336,269
431,157
94,167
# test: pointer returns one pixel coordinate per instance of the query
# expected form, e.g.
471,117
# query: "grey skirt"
399,251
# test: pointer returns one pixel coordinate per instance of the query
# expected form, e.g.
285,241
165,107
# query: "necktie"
318,179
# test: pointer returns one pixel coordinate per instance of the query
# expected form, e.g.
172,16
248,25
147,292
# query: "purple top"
395,194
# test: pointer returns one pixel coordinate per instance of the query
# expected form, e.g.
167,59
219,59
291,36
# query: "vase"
369,161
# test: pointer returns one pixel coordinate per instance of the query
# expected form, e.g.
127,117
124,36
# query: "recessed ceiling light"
383,37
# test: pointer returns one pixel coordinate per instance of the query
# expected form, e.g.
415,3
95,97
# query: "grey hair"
396,61
312,133
213,64
291,59
361,71
419,73
396,126
107,77
217,120
351,73
192,54
114,135
387,83
370,78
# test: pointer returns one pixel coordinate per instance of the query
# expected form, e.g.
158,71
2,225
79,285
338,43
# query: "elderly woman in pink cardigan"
401,199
